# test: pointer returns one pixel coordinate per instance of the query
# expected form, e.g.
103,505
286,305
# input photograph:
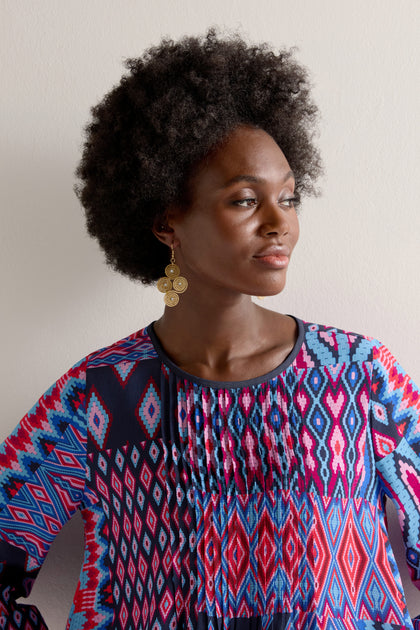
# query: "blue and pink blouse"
252,505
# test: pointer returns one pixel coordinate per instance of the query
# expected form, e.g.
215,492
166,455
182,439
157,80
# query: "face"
241,227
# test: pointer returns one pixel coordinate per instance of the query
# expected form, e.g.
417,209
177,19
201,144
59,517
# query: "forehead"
246,151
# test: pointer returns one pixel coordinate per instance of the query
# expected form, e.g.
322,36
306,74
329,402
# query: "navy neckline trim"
257,380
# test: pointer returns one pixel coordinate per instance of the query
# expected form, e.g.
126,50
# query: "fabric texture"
257,505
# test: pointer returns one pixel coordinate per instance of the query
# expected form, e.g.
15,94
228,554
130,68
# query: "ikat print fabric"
219,506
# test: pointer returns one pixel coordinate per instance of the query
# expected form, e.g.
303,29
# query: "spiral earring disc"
164,285
171,298
180,284
172,270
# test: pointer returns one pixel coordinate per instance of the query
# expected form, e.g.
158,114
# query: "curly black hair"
177,103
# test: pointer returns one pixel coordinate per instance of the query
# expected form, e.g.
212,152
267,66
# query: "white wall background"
357,265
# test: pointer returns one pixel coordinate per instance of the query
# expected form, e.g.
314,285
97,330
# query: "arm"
395,418
42,479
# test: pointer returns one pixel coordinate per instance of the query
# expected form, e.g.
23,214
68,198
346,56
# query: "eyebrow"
253,179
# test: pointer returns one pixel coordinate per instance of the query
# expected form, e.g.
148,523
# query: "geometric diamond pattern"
254,505
148,410
99,421
137,530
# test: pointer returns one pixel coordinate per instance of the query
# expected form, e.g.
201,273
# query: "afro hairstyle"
175,105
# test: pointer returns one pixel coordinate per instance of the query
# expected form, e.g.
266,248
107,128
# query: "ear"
163,227
163,232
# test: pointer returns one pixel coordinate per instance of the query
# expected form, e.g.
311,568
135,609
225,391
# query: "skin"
216,331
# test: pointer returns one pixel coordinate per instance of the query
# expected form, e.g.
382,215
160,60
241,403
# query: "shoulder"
328,345
133,348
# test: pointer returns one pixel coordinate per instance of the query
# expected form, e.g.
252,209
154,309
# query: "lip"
275,256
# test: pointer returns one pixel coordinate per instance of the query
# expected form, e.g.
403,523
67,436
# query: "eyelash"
294,201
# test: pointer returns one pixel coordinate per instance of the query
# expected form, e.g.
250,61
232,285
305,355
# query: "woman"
231,463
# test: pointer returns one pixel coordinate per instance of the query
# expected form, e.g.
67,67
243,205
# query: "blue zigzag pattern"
37,512
135,347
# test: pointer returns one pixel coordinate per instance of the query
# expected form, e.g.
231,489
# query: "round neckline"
256,380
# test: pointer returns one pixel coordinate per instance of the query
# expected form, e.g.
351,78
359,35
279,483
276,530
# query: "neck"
210,327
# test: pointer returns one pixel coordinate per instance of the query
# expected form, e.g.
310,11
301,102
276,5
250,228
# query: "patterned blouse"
252,505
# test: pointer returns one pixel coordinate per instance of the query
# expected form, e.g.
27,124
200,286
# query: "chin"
265,292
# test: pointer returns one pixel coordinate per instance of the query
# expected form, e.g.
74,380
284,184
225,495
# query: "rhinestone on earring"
171,284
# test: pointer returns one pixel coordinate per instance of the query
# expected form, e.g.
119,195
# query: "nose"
275,220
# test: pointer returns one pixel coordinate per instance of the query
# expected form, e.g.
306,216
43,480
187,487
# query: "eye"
290,202
246,203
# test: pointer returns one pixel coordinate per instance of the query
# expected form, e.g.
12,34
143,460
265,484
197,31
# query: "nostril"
272,230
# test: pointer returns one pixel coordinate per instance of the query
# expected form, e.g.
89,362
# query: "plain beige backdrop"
357,264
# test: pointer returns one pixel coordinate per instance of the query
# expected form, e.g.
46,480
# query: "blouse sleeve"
395,418
42,479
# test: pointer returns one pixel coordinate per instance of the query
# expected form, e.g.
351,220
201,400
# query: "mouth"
275,257
273,261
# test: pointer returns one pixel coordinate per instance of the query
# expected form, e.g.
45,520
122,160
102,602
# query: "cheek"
211,233
199,244
295,229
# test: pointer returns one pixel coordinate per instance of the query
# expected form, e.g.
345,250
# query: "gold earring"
172,283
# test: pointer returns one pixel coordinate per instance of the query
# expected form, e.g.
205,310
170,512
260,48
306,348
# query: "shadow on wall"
412,593
55,586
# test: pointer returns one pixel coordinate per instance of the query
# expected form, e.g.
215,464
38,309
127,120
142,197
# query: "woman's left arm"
395,418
